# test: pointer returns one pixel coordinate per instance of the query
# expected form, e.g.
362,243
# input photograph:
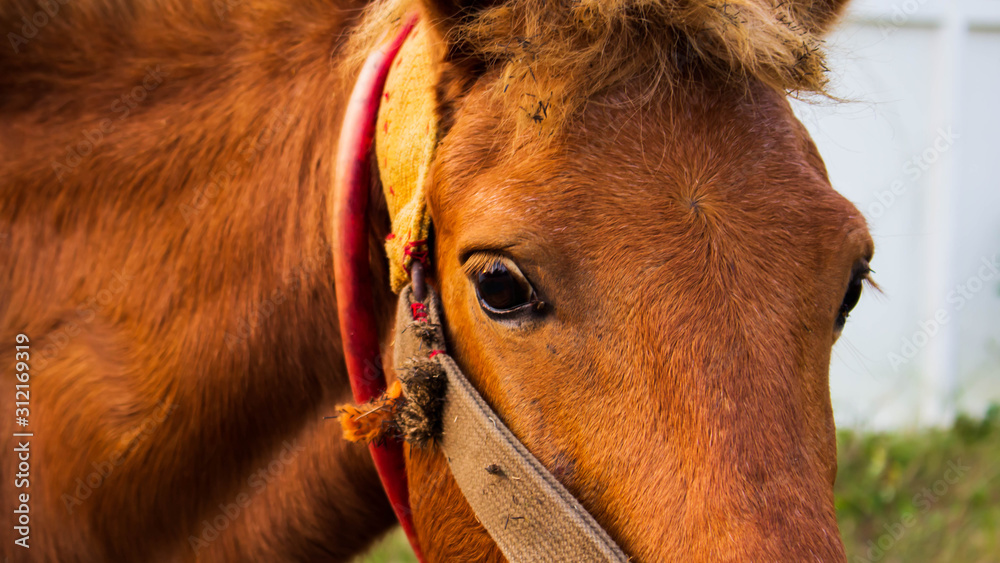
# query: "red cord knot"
434,353
417,250
419,311
390,236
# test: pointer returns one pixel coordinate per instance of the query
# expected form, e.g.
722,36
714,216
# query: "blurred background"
916,376
917,148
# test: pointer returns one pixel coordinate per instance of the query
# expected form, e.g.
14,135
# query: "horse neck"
210,196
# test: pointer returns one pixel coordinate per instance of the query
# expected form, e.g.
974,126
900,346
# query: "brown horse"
166,226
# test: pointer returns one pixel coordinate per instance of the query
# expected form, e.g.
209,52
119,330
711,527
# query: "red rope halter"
355,304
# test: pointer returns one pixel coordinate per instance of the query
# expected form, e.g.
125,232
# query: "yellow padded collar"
405,139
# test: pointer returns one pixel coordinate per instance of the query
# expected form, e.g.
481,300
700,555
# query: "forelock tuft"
552,56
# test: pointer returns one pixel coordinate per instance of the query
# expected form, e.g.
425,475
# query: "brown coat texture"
164,243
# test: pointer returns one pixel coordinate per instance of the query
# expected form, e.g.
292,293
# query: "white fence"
917,149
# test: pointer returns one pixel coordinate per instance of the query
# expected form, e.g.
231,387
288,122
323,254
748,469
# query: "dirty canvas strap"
527,512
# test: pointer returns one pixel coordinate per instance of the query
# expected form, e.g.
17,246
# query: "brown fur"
176,281
142,283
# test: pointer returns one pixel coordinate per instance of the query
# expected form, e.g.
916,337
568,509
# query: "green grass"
930,496
393,549
903,493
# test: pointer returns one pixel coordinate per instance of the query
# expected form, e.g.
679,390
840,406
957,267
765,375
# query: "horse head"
643,267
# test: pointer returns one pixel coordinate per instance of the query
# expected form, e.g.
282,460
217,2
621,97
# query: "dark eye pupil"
500,290
851,299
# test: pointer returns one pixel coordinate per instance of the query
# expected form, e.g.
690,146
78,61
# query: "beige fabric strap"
528,513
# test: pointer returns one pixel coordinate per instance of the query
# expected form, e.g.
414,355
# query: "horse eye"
853,294
501,291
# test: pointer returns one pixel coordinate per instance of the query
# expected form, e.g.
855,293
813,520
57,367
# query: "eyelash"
480,263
